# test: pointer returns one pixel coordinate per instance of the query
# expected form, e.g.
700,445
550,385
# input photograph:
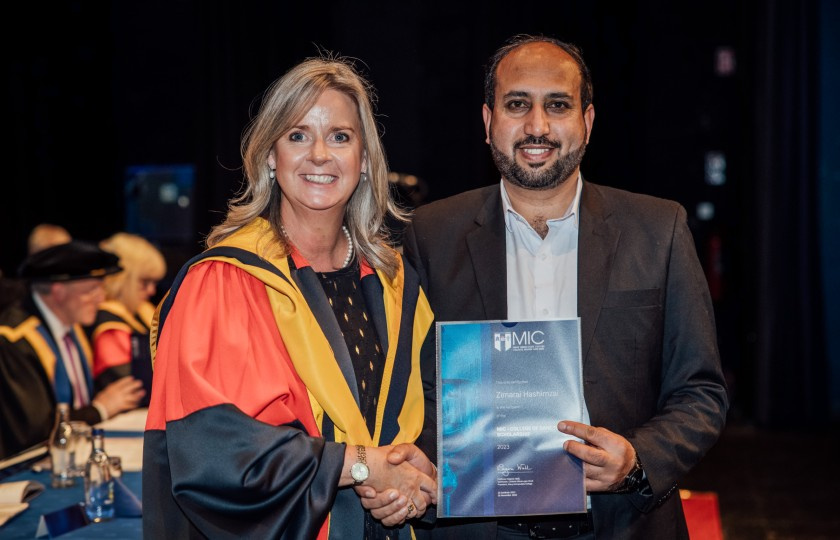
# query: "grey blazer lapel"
597,242
486,244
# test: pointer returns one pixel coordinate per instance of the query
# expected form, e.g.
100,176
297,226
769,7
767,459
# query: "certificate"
502,387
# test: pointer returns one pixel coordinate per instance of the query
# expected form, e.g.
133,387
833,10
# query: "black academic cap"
68,262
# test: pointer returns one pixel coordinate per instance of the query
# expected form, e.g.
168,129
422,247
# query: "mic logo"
501,341
519,341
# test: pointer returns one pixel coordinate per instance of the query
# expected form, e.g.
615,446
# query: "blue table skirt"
24,525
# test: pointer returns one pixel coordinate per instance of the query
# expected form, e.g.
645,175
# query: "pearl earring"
271,174
363,177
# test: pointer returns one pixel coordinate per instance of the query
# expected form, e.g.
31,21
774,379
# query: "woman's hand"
402,483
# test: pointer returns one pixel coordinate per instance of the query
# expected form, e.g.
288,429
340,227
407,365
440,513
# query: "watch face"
359,472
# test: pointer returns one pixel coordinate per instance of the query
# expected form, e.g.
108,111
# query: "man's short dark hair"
524,39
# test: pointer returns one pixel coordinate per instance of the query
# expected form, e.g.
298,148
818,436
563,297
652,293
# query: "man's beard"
538,178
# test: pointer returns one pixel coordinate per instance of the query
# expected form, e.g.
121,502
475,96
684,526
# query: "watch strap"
634,480
361,463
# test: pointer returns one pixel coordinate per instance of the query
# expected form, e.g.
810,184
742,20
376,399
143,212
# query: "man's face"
79,300
537,131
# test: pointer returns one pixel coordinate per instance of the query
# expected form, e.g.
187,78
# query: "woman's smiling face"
319,160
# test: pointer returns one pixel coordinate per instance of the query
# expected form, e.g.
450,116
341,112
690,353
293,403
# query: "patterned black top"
343,290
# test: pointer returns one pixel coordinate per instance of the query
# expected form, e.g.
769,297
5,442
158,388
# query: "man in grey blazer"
546,244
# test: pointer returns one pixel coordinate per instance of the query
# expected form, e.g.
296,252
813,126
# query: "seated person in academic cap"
45,357
41,236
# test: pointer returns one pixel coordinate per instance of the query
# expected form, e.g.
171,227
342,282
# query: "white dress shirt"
542,273
70,356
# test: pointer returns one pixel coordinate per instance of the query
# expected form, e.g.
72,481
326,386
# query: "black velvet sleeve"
234,477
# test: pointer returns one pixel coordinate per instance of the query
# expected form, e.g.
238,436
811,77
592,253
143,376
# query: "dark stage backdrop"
95,88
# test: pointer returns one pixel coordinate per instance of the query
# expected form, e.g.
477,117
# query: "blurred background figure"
46,235
11,291
409,191
45,356
42,236
120,334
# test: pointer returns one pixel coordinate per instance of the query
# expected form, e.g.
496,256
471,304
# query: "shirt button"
543,256
545,311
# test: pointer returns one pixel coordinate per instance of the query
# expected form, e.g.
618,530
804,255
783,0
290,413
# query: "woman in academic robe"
286,355
120,334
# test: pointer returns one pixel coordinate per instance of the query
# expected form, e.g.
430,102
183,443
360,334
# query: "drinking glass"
80,447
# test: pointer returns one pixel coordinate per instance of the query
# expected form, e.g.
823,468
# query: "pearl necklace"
349,256
349,247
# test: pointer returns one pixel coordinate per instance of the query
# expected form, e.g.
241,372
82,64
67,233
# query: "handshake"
401,483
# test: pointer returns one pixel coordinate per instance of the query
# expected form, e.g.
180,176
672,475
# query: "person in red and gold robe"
287,355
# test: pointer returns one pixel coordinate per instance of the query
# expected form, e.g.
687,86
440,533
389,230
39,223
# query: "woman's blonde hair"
140,260
285,102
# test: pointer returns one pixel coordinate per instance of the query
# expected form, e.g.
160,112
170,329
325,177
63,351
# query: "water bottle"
99,482
60,447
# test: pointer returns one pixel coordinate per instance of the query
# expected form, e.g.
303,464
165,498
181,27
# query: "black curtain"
791,370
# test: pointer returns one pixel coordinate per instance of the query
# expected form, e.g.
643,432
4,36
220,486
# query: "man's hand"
607,457
393,506
414,456
121,395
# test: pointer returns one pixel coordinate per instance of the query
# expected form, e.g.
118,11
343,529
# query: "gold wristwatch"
359,470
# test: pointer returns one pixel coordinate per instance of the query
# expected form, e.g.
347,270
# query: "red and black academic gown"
254,396
111,335
120,342
33,377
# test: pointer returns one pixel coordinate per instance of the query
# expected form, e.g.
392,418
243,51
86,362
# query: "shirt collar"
57,328
572,210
